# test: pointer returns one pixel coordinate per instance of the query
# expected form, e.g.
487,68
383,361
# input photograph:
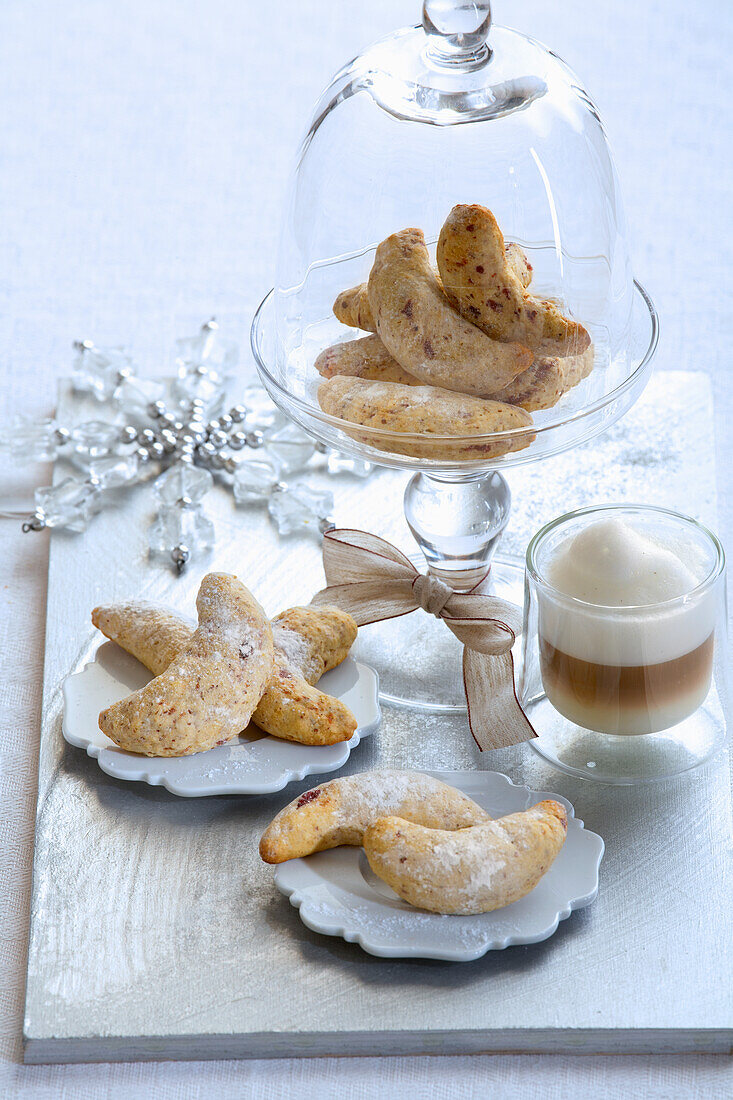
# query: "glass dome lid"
456,111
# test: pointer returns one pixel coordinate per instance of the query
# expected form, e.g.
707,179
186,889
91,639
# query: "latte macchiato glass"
624,626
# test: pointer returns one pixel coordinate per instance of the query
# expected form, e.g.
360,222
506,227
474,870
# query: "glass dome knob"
457,31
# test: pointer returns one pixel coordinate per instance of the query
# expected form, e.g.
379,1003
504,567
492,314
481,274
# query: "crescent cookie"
154,635
426,411
314,639
340,811
485,290
423,331
208,693
577,367
473,870
539,387
307,642
549,377
364,358
352,306
518,263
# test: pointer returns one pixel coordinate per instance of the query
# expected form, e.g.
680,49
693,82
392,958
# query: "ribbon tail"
495,716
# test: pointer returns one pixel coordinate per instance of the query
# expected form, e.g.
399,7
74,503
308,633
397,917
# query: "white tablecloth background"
144,146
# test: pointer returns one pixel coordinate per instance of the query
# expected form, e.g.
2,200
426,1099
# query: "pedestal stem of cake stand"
457,521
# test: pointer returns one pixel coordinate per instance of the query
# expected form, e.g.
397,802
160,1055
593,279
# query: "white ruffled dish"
338,894
255,764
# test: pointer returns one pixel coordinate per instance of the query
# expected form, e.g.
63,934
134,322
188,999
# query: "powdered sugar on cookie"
339,812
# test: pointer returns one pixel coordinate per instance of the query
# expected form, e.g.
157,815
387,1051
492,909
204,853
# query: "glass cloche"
422,128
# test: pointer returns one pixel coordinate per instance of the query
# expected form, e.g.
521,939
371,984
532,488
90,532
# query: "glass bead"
182,481
111,471
180,526
338,463
70,503
299,508
134,395
30,438
206,387
207,348
261,412
97,370
290,446
254,481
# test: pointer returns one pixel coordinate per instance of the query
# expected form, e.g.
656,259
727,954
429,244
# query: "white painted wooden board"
157,933
145,152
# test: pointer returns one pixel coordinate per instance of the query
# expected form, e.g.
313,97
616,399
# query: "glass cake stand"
456,510
454,110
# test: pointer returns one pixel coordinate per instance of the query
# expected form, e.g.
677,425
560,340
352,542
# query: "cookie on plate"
307,642
473,870
208,693
340,811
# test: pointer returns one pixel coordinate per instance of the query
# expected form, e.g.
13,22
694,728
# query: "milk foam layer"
611,565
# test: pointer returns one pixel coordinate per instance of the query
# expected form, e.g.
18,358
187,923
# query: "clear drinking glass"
632,693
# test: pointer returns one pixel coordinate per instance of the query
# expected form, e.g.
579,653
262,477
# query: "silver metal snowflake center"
180,432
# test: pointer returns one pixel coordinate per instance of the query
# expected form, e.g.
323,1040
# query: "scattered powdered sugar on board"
388,924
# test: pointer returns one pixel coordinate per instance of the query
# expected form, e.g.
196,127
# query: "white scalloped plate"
248,765
338,894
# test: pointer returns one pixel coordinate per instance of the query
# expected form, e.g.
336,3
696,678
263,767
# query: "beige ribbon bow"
372,580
